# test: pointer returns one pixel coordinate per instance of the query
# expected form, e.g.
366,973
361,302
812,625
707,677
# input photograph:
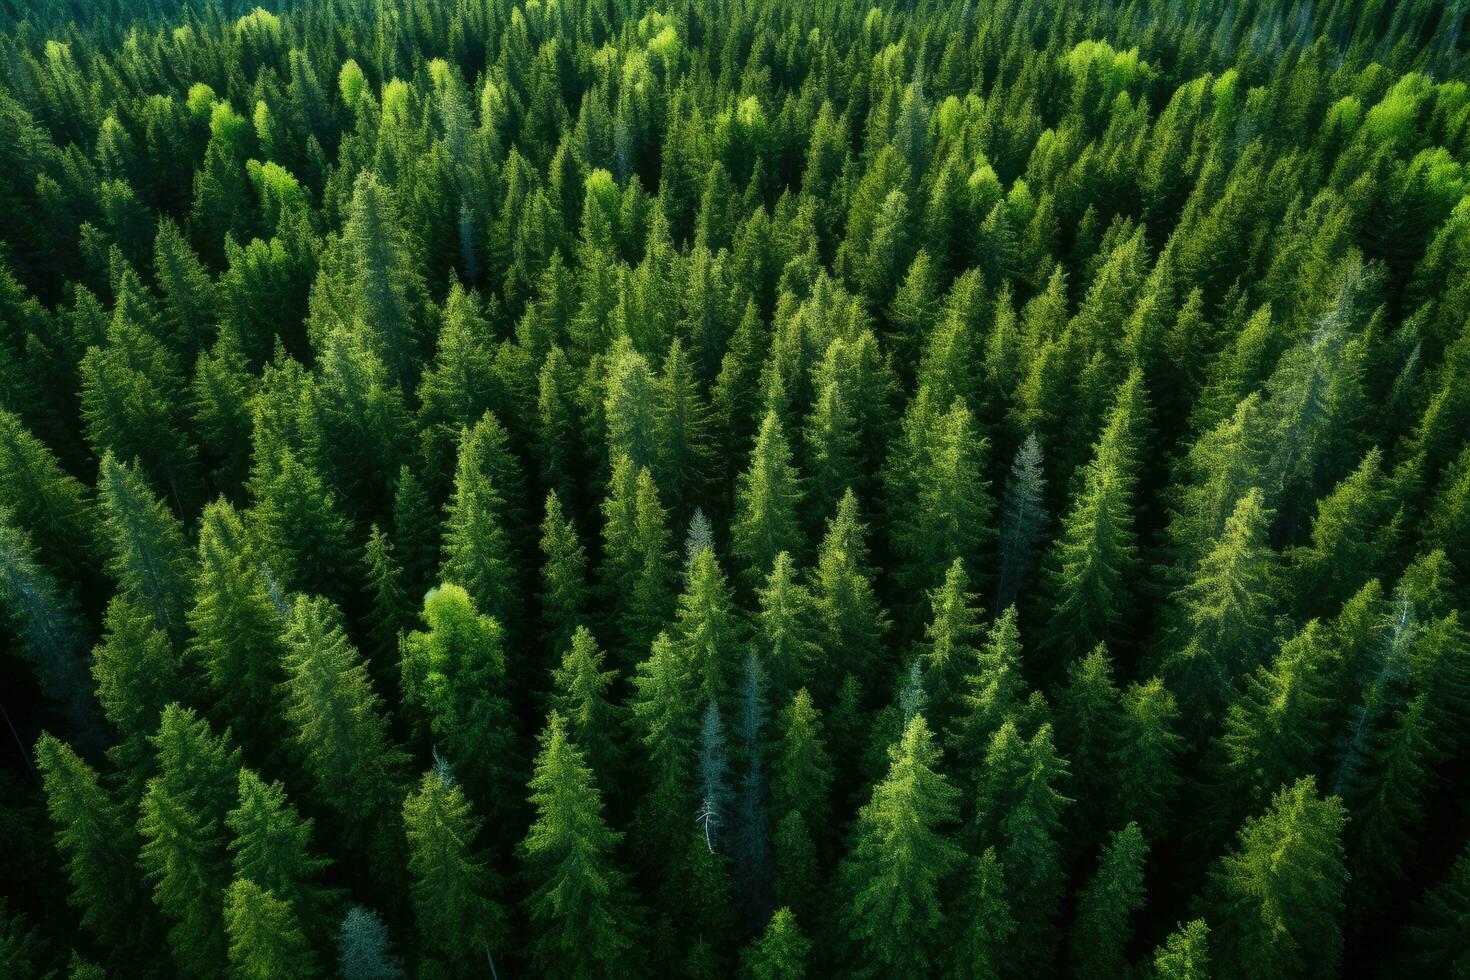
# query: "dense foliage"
602,488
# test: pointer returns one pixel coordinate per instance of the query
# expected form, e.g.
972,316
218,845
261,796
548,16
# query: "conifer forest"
756,489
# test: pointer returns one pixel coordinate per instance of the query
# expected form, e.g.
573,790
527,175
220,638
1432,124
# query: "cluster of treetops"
603,488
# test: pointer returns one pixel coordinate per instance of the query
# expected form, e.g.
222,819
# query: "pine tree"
477,545
948,650
265,939
99,843
272,850
581,695
1093,558
585,921
564,600
1147,748
985,936
768,497
149,557
1185,955
459,923
138,674
785,629
337,728
900,860
993,689
1106,906
183,827
1225,612
781,951
1278,894
707,630
236,622
851,621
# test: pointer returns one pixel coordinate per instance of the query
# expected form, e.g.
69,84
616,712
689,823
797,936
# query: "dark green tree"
580,904
460,925
901,860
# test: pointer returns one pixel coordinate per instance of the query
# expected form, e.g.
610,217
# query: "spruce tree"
46,500
900,861
564,599
985,935
99,843
1106,906
768,496
585,920
1225,612
1092,559
48,631
236,622
1019,811
638,563
785,629
948,650
992,690
477,547
363,947
265,939
781,951
384,285
1185,955
459,924
1144,765
944,512
336,722
149,558
666,716
707,629
1278,894
389,613
851,621
272,849
182,824
138,674
581,695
